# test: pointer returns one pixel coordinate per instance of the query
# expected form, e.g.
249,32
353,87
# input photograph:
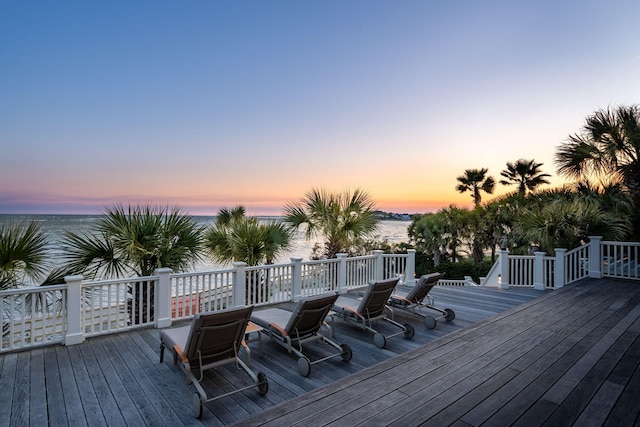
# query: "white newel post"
410,272
538,271
296,286
558,273
379,262
342,273
239,284
74,334
595,257
503,281
163,297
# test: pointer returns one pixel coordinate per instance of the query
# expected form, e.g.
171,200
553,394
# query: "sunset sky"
210,104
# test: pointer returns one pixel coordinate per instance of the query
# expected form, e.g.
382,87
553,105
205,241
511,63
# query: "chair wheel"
263,384
409,330
304,367
379,340
429,322
197,406
347,354
450,315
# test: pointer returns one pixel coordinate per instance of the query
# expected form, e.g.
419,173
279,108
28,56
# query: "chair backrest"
421,289
216,335
376,297
309,314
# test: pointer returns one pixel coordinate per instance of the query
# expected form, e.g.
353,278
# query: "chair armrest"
180,353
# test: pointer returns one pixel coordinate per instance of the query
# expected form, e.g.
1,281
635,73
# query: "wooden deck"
510,357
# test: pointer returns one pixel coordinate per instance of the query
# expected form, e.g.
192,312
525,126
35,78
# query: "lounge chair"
291,330
212,340
413,301
372,307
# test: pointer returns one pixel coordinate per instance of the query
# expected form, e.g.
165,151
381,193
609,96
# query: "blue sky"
211,104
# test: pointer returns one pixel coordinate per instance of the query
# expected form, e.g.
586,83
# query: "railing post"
410,271
239,284
503,277
296,286
163,297
538,271
342,273
379,264
74,334
558,270
595,257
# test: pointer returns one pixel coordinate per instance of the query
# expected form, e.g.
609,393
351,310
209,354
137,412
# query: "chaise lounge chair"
291,330
372,307
212,340
412,301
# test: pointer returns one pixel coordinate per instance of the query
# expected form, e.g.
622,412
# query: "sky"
211,104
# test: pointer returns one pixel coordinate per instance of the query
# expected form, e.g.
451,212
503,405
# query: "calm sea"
55,225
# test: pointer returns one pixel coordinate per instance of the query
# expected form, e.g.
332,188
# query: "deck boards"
517,356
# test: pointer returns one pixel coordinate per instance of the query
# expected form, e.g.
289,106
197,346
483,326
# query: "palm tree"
343,219
236,237
429,232
607,146
526,174
475,180
23,253
134,241
568,224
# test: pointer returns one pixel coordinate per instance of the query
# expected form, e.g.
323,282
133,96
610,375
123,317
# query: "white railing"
594,259
576,264
620,260
33,316
192,293
521,270
320,276
71,312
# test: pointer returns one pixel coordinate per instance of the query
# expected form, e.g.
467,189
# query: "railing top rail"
392,255
202,273
620,243
121,280
323,261
263,266
578,249
360,257
32,290
522,256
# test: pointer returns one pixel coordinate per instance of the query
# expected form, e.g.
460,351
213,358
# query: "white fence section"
69,313
33,316
620,260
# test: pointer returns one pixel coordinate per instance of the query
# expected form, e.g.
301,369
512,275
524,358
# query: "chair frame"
413,301
305,325
192,360
373,307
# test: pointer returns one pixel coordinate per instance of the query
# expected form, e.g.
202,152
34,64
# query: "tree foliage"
343,220
476,180
23,253
237,237
526,174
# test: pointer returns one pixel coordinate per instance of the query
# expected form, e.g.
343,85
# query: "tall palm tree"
526,174
476,180
342,219
23,253
236,237
607,146
134,241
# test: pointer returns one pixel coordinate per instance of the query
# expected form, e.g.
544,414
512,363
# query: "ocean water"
56,225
